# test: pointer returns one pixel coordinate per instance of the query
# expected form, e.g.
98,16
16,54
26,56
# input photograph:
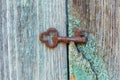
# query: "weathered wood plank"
22,55
102,18
1,42
53,61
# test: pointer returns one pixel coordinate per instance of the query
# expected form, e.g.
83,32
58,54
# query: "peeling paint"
79,67
85,62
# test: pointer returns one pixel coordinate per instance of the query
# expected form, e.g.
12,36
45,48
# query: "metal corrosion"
77,38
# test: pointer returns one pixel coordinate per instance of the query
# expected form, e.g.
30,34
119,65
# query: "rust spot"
80,8
84,6
76,2
72,77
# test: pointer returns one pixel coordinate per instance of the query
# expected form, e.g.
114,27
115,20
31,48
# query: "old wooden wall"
102,17
22,55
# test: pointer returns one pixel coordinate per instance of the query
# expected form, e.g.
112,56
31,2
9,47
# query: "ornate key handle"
77,38
54,38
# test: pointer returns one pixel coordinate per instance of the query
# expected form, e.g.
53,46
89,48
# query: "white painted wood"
22,55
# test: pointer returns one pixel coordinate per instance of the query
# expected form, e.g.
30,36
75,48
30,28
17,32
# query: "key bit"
77,38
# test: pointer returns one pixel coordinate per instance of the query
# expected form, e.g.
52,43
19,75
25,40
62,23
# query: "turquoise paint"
90,53
89,65
79,66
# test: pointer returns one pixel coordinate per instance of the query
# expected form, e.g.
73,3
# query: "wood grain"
102,17
22,55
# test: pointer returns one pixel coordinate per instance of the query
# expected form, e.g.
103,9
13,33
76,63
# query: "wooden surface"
102,17
22,55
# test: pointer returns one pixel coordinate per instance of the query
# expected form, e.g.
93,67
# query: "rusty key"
77,38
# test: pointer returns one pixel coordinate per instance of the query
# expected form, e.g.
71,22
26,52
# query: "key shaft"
72,39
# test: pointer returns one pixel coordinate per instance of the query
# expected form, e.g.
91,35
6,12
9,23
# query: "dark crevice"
68,76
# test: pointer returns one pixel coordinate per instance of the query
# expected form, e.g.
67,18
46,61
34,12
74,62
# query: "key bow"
54,38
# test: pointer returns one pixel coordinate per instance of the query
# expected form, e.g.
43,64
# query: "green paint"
86,62
92,56
79,66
